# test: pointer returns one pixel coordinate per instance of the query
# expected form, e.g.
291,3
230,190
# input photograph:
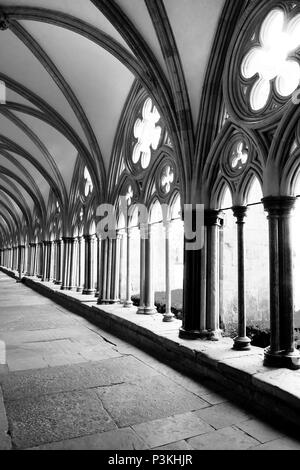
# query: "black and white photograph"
149,228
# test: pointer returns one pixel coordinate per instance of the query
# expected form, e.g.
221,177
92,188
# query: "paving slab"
120,439
228,438
43,419
175,428
260,431
223,415
181,445
74,377
147,399
280,444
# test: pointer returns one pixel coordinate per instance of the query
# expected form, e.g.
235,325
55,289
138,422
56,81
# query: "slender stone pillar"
40,259
282,352
66,262
72,266
99,267
30,265
116,271
45,261
121,272
109,269
241,342
221,267
89,285
33,259
147,306
213,223
102,295
168,315
58,263
21,249
128,302
80,264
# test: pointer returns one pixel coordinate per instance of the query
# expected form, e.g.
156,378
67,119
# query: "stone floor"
66,384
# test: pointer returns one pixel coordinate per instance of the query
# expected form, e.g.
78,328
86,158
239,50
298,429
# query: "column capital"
32,245
278,206
89,238
213,217
240,212
67,239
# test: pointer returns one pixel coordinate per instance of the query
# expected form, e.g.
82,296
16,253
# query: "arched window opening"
159,254
147,133
228,267
88,184
273,59
257,260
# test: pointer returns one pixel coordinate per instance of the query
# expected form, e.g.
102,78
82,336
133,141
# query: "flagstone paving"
66,384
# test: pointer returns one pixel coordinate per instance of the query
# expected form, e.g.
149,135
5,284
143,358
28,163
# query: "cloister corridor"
66,384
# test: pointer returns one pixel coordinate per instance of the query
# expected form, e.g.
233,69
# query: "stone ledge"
271,393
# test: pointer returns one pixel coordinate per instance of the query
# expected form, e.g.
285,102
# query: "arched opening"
257,260
228,266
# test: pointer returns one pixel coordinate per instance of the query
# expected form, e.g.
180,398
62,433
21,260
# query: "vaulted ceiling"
68,68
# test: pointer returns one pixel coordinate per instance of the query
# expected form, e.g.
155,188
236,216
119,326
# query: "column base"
242,343
168,317
58,283
190,334
88,291
146,311
214,335
128,304
282,359
79,290
73,289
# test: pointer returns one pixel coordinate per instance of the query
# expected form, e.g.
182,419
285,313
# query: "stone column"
34,263
58,262
282,352
80,263
40,259
45,261
30,266
147,307
72,266
121,272
194,294
21,249
128,302
89,286
102,295
116,271
168,315
99,267
66,263
109,270
241,342
213,223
